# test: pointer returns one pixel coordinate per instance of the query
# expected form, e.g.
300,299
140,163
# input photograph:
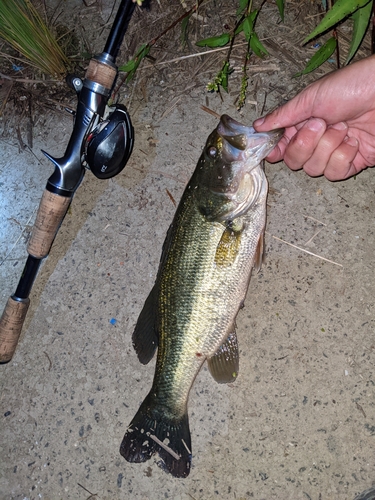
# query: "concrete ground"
297,424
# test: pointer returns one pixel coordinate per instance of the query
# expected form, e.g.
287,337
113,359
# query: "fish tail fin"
151,431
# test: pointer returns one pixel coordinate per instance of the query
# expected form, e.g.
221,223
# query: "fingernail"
352,141
259,122
314,125
339,126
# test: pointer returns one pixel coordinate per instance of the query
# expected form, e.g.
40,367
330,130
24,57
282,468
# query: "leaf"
248,24
239,28
184,26
340,10
319,57
214,41
361,18
131,66
225,72
221,79
247,29
257,47
280,6
242,6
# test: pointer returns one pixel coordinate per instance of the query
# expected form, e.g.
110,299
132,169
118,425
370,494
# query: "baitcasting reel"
98,142
109,145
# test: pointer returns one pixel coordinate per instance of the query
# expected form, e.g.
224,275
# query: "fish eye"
212,152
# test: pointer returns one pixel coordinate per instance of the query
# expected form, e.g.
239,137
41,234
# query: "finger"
279,118
293,112
340,165
303,143
277,153
329,142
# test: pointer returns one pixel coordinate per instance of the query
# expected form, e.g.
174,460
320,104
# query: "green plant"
359,11
321,56
22,27
246,25
132,65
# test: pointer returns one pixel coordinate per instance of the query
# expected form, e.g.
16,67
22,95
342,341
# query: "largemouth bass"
212,245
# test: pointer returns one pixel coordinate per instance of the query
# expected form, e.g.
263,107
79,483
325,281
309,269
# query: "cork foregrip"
52,210
11,323
100,73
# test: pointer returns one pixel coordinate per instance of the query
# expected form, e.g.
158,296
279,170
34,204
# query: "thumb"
295,111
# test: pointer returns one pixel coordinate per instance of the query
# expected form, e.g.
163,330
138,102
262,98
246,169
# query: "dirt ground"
298,423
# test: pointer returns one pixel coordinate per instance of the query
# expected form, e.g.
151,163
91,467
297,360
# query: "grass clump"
22,27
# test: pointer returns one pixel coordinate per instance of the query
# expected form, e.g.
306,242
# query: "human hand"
330,125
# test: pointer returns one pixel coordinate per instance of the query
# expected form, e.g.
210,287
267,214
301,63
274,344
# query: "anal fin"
224,364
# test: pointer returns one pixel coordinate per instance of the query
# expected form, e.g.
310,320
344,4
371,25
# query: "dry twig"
306,251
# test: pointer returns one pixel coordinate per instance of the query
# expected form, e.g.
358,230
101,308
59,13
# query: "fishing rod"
101,141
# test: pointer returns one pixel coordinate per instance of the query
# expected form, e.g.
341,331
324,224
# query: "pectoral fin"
145,336
229,244
224,364
259,253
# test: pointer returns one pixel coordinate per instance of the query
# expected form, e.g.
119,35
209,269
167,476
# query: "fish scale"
212,245
200,326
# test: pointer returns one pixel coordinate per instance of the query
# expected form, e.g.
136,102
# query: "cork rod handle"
101,73
51,212
11,323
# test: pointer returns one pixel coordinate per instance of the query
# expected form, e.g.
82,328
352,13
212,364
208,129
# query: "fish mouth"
241,142
244,149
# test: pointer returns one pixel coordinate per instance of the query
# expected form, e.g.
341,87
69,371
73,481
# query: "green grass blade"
319,57
184,30
340,10
361,19
22,27
280,6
